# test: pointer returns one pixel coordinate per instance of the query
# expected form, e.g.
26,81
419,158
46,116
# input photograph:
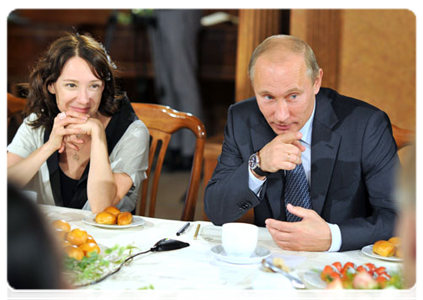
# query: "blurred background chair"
403,137
162,121
15,106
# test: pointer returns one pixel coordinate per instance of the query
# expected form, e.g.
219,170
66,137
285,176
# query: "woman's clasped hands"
68,129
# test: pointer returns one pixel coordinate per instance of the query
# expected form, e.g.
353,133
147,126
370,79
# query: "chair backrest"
162,121
14,105
403,137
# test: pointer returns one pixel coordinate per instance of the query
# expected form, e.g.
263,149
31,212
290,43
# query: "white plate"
368,250
136,221
255,258
250,294
313,280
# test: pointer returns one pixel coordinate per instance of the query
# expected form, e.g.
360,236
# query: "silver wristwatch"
254,163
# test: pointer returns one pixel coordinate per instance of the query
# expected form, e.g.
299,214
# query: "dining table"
200,270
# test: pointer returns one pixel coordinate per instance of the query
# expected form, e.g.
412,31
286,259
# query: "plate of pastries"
389,250
75,242
112,217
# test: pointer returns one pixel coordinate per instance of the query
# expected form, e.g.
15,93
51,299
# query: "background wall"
367,54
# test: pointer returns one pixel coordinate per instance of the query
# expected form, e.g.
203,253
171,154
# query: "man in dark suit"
344,145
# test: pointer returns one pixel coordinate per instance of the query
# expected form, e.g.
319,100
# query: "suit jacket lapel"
324,149
261,134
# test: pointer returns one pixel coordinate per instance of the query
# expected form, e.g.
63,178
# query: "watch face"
253,162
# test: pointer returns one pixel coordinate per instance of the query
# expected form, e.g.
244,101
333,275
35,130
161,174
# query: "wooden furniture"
255,25
15,105
403,137
162,121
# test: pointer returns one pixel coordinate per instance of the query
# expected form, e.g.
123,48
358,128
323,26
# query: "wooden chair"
403,137
15,105
162,121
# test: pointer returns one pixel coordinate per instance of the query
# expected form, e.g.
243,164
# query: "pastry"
384,248
105,218
74,252
77,237
124,218
61,224
395,240
112,209
89,247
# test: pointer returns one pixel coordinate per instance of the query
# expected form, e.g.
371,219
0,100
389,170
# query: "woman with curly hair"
81,144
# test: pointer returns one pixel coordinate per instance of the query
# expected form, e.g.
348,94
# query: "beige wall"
372,52
378,61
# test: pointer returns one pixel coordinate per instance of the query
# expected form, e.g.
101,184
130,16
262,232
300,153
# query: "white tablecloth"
194,271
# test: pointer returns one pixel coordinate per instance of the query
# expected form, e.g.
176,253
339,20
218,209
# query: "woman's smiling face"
77,88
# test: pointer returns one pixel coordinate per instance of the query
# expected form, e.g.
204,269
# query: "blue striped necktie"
297,191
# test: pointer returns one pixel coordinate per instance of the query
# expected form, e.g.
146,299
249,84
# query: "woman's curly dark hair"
48,69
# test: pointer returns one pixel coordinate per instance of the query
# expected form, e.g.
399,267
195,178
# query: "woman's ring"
289,156
62,116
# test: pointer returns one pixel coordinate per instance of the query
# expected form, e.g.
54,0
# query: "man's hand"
282,153
312,233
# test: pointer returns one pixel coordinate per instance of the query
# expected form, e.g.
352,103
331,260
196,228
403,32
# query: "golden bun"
74,252
395,240
124,218
61,224
105,218
90,239
60,234
77,237
112,209
88,248
384,248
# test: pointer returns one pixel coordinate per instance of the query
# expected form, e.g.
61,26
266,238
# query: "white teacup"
273,286
239,239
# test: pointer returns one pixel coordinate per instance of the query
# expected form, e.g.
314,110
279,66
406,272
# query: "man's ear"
51,89
318,82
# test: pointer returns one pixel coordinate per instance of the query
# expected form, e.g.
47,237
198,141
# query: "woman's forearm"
20,170
101,187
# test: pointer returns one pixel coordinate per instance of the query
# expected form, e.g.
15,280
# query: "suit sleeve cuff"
336,238
254,183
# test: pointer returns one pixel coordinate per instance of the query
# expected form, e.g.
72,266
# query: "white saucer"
250,294
368,250
136,221
259,254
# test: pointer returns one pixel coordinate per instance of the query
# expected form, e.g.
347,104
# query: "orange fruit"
77,236
112,209
60,234
65,244
89,247
61,224
74,252
90,239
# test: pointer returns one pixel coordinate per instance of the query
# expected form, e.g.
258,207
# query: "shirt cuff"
336,238
254,183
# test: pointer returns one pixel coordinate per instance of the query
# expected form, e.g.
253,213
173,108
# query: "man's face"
284,91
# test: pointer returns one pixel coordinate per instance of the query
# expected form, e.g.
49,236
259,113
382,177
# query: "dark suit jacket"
353,168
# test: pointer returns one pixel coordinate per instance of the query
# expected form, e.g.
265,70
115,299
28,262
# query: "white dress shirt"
256,184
